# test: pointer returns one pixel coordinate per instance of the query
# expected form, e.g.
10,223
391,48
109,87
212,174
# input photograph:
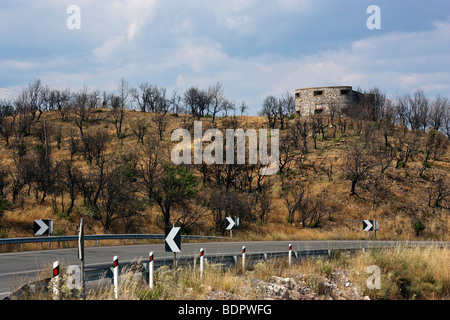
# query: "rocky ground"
300,287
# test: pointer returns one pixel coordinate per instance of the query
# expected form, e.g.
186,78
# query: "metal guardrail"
105,274
225,260
98,237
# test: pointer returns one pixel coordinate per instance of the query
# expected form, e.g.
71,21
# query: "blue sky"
253,47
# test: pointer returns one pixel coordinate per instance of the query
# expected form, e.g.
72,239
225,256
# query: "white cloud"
126,20
166,43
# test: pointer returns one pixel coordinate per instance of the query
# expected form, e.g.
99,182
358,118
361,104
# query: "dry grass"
406,273
404,203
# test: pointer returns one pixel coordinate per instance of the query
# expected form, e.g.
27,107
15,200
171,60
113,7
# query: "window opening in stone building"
318,93
318,111
345,92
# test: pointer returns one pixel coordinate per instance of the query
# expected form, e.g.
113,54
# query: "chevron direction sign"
231,223
370,225
173,239
43,227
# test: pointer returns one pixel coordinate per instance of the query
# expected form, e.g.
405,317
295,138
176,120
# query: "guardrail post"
150,270
116,276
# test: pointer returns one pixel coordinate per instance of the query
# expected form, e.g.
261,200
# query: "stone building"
319,100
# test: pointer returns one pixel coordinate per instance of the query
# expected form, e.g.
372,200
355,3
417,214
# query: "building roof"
330,87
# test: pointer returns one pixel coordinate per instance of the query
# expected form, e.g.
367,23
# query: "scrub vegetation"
405,273
105,157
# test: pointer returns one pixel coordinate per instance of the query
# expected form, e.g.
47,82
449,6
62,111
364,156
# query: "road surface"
19,268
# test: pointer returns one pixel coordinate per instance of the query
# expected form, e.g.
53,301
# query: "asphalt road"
19,268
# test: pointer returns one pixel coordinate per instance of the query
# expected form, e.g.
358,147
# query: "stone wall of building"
320,99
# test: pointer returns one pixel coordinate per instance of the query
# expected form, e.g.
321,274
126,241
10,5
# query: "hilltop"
114,170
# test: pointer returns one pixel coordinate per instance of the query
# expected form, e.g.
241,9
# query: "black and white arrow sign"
368,225
231,223
42,227
173,239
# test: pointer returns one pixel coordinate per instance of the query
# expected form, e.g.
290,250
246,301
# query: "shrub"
419,226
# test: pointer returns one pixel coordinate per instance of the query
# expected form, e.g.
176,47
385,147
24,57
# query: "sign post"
231,225
375,229
81,255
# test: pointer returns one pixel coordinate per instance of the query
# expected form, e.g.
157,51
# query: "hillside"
121,183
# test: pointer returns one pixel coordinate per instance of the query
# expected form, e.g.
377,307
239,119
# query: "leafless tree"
405,145
243,107
227,204
436,145
149,166
288,152
191,213
94,145
387,118
286,107
293,193
35,98
312,210
175,102
161,110
119,106
139,128
83,104
318,124
191,97
62,102
217,97
7,120
439,192
263,204
439,107
24,116
415,109
142,96
227,106
44,170
299,133
446,122
70,180
359,160
379,101
270,110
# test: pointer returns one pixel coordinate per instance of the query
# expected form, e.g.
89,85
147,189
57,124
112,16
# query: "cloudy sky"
253,47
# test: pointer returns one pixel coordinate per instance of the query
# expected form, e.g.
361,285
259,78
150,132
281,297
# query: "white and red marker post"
290,254
150,270
116,276
55,280
243,258
202,254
